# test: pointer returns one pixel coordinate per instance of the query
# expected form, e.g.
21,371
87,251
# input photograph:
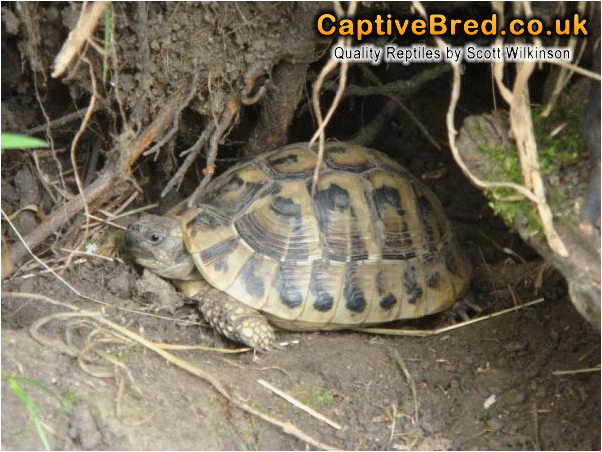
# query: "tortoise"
369,244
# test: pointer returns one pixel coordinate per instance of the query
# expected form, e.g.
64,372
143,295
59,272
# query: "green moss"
564,147
506,162
510,210
559,143
317,397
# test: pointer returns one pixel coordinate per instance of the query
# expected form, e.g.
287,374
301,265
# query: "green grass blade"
16,141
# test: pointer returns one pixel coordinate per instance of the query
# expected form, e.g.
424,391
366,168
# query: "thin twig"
299,405
445,329
577,371
578,69
63,120
227,120
192,152
117,215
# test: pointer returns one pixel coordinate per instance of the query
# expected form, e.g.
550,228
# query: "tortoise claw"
256,332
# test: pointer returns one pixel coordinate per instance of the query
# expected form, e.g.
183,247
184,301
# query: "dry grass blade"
402,365
577,371
286,427
445,329
536,438
225,351
299,404
67,349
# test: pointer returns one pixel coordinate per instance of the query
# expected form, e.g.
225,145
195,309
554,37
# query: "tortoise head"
156,243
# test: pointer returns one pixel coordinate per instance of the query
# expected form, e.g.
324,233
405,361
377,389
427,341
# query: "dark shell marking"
369,246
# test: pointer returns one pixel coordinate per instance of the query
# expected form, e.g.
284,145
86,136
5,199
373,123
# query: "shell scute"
235,191
255,281
291,162
348,158
291,285
344,218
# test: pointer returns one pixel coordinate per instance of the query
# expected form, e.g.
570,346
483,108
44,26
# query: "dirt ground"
352,378
71,381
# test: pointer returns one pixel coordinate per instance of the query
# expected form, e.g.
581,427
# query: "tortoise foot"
236,321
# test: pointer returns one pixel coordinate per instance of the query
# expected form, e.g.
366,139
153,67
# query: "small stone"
515,346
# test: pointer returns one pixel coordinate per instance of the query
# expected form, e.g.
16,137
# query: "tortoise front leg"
235,320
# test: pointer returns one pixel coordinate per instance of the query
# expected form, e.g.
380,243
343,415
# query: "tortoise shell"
370,245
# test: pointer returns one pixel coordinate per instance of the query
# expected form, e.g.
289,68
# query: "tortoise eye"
155,238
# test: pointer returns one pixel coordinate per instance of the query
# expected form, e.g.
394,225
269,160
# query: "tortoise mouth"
144,257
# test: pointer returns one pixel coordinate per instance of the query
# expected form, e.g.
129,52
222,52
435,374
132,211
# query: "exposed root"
192,153
320,133
522,127
55,123
176,120
566,72
83,126
398,89
227,120
278,105
88,20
